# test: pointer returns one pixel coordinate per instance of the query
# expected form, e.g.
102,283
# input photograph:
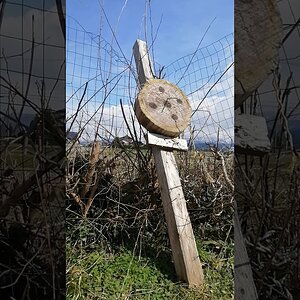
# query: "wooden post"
251,135
143,62
244,286
185,255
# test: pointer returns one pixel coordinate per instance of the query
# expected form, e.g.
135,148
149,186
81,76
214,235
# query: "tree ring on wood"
161,107
258,33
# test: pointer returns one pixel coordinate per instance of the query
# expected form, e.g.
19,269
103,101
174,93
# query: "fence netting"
101,87
32,149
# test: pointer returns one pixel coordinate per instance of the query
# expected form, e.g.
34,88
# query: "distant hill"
204,146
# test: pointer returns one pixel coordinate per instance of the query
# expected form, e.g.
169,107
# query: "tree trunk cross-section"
258,32
161,107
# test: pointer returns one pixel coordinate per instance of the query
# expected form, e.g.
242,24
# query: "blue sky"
183,23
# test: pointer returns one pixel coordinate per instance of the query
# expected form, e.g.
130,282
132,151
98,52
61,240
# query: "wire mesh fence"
32,143
273,206
102,87
277,98
27,46
206,76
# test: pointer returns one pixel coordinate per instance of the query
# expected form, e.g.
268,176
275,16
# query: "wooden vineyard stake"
244,286
251,135
167,96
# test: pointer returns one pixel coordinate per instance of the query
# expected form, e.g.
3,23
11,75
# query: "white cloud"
214,116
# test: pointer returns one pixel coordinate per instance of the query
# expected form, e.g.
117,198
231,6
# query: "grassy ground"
121,249
101,275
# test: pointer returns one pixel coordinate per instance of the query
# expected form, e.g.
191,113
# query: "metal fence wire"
32,138
101,87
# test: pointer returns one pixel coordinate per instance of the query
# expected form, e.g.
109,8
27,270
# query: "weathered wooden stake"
185,255
244,286
251,134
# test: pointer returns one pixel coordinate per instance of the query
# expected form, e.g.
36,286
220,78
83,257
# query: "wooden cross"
185,255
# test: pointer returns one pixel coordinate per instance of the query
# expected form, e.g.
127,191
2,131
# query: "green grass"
103,250
102,275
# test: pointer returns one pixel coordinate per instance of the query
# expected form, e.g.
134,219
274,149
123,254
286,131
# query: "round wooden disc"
258,31
161,107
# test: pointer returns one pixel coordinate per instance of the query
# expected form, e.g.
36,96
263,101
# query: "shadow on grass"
162,260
